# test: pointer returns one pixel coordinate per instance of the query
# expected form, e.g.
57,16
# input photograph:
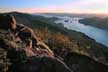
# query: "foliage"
58,37
96,21
3,61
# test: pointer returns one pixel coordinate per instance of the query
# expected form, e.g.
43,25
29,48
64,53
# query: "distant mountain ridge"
96,22
74,48
79,15
40,22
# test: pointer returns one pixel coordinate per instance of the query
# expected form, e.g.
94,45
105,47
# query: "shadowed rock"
41,64
82,63
24,51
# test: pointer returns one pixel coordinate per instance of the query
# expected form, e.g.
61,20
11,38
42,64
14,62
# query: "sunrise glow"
55,6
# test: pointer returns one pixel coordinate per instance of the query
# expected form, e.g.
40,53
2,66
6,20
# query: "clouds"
71,6
79,6
87,6
6,9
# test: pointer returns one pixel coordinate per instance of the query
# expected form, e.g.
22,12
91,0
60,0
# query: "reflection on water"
99,35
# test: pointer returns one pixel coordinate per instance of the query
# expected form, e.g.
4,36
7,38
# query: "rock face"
41,64
82,63
24,52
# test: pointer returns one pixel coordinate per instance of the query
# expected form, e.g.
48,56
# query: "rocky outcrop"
22,63
41,64
24,52
83,63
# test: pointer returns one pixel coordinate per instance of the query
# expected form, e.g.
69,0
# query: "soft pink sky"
61,6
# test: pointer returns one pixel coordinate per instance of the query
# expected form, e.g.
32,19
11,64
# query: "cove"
100,35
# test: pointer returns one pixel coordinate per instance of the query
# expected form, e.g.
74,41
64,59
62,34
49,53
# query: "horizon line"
57,12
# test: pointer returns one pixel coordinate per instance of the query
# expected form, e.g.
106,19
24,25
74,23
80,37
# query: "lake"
100,35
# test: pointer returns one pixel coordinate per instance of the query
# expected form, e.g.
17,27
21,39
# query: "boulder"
83,63
21,55
41,64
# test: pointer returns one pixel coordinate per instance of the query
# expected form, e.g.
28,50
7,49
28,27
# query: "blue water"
100,35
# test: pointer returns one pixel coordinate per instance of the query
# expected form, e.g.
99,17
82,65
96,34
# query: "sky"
54,6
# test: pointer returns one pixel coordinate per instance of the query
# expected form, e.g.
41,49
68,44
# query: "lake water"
100,35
